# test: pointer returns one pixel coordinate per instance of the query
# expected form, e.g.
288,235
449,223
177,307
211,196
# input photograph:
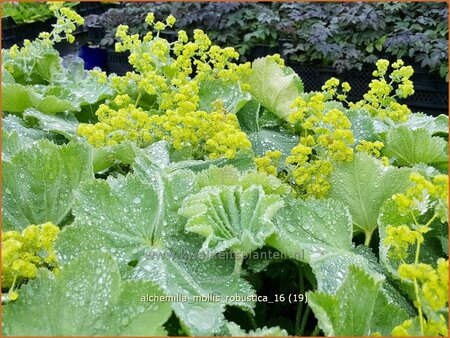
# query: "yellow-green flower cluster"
24,252
175,83
159,26
66,21
431,328
380,100
277,58
430,284
373,149
314,176
269,162
199,134
20,61
102,78
425,194
23,60
327,137
433,282
331,89
401,238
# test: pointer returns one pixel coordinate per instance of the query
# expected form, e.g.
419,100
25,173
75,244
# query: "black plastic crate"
313,76
90,7
8,36
32,30
118,62
259,51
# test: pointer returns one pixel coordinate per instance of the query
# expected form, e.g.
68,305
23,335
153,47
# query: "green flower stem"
11,289
298,314
416,290
238,264
368,237
316,331
416,285
138,99
304,320
252,320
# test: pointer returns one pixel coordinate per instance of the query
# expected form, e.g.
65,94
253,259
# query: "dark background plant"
242,25
340,34
348,35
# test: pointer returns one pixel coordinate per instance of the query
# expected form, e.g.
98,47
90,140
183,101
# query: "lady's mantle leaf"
435,125
64,124
182,271
358,308
364,185
306,229
229,175
16,98
120,215
409,146
230,93
86,299
39,183
274,88
319,232
231,217
236,331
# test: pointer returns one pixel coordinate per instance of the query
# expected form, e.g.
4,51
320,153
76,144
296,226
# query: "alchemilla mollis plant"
184,196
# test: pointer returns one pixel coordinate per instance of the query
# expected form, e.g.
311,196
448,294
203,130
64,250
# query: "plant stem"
239,258
416,291
368,237
11,289
138,99
252,320
316,331
304,319
416,285
431,220
298,315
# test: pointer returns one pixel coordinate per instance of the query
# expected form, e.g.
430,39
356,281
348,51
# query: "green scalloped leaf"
228,92
274,87
358,308
64,124
12,123
61,96
229,175
182,271
231,217
40,181
16,98
88,298
237,331
363,185
12,143
122,216
362,125
307,230
319,232
272,139
408,147
435,125
106,157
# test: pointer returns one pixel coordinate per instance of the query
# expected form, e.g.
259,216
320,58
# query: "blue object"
93,56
